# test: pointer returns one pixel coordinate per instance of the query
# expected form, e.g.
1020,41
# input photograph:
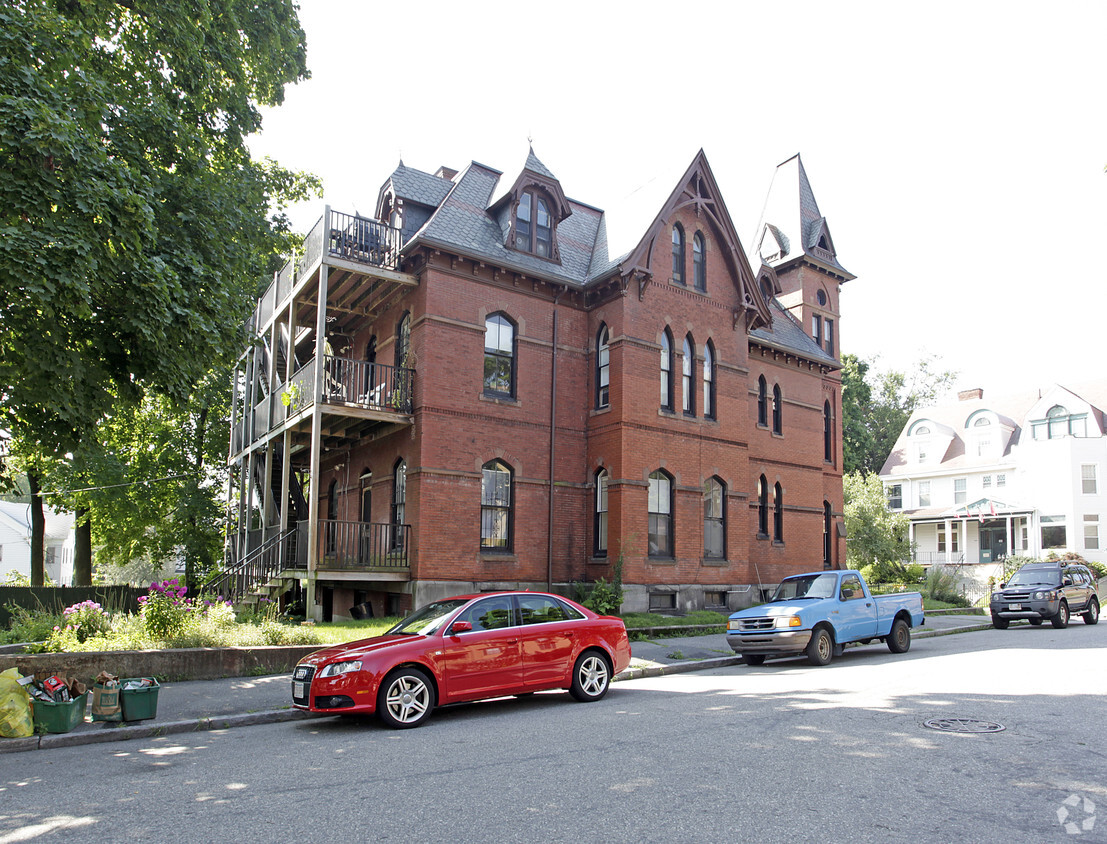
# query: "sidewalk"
200,705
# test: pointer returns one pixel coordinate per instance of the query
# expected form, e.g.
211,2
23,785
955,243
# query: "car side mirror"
1067,581
1003,585
460,627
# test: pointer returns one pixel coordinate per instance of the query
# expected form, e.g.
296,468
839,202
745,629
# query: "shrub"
941,585
30,625
886,572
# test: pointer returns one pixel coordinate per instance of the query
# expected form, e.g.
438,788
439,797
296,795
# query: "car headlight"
336,668
789,621
1044,596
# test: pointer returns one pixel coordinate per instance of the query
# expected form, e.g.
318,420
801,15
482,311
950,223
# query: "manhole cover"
963,725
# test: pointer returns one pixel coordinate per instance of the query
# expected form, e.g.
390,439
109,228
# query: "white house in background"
15,542
982,478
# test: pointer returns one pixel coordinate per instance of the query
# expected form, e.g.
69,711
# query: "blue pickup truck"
821,612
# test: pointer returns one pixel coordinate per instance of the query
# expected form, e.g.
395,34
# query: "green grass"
635,620
338,632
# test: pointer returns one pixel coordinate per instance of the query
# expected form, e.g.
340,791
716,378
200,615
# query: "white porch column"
317,435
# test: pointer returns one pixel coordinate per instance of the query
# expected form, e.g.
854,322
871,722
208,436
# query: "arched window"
366,483
762,507
603,366
828,434
762,402
499,356
403,341
399,502
534,225
828,525
678,254
778,410
661,515
495,506
778,513
599,544
714,519
687,381
709,381
699,263
666,370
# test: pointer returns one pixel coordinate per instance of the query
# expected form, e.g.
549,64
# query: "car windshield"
1034,577
426,620
808,586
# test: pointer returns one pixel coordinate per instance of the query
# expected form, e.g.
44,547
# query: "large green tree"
875,533
134,225
876,405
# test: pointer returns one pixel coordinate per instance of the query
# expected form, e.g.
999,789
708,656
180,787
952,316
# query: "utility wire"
43,493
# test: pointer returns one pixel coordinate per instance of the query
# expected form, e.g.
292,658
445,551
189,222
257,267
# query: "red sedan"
466,648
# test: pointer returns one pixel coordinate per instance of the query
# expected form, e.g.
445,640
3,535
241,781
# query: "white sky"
957,149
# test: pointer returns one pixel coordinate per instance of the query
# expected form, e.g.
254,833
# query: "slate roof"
792,214
786,333
417,186
462,221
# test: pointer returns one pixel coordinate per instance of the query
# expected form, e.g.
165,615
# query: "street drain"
963,725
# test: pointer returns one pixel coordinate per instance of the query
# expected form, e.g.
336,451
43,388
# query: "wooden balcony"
360,548
355,395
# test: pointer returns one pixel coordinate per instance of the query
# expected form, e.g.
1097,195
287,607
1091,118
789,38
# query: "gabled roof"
791,226
415,186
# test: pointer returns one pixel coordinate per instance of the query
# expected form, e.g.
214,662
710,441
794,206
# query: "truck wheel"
899,640
753,659
1092,615
821,647
1061,620
1000,623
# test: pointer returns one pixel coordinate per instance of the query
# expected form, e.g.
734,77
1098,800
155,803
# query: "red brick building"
481,387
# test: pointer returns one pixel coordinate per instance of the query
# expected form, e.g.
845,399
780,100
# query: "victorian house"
984,477
488,384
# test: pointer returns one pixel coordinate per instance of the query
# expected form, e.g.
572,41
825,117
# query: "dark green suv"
1039,591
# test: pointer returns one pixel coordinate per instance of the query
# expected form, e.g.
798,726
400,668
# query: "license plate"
1016,607
297,689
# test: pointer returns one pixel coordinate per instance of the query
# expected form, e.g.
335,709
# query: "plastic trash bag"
15,707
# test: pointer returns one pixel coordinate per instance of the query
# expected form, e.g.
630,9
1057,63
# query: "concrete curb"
141,731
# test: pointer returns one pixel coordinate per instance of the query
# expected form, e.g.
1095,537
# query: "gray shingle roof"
417,186
786,333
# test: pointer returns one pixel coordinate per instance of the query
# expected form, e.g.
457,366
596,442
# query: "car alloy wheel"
591,677
406,698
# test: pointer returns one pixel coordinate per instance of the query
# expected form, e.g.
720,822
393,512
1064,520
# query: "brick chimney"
969,395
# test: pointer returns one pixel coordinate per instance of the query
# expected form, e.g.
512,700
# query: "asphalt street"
781,752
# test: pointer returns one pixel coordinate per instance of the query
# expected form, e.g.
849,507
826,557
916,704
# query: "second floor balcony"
366,393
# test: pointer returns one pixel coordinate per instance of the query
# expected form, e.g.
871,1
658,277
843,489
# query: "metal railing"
373,385
257,568
361,546
347,236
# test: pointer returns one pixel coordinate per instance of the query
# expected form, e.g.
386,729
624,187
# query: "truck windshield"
808,586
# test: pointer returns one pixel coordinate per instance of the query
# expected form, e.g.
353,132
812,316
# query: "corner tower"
793,238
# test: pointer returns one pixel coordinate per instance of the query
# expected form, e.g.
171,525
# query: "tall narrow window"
828,526
332,517
762,507
778,410
714,519
543,230
403,341
499,356
709,381
495,506
817,329
522,223
599,548
828,433
603,366
1089,484
778,513
666,370
678,254
699,263
828,332
762,402
688,367
661,515
399,502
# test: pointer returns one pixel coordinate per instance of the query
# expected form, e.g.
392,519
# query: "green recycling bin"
138,697
59,717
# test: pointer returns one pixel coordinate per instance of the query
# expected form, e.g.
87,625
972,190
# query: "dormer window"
534,225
